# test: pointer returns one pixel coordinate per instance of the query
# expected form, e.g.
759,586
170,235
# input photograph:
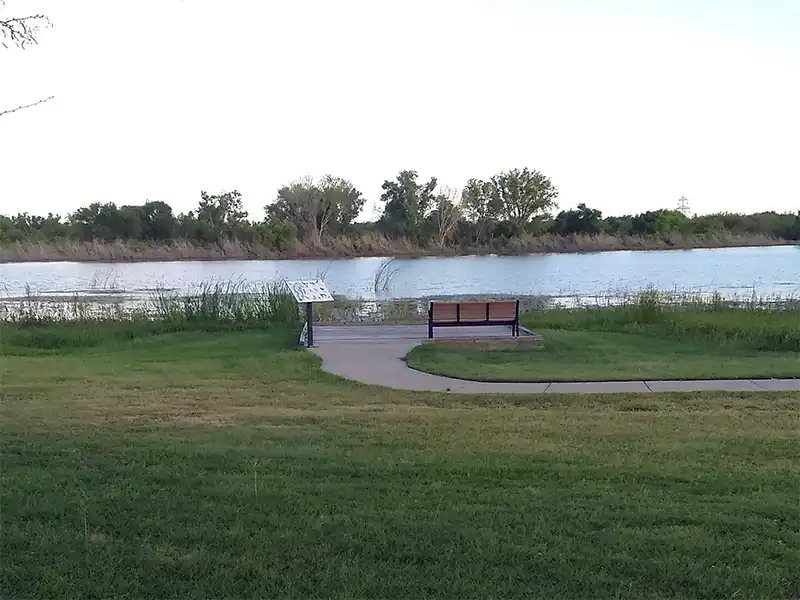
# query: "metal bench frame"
514,323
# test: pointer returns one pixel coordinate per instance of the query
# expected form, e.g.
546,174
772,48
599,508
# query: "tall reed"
229,303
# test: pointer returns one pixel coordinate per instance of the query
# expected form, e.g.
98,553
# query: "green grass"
649,336
599,356
225,464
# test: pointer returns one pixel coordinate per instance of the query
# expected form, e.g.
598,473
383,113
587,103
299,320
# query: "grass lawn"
227,465
602,355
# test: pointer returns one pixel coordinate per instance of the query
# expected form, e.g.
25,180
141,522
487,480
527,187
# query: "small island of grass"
645,340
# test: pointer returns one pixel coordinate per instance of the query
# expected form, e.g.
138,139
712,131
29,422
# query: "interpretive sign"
309,291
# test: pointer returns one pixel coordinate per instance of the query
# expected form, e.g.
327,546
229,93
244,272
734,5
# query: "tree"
222,213
793,232
21,32
106,222
36,228
479,205
277,235
406,204
345,198
218,216
583,220
659,222
620,226
521,195
317,208
445,216
158,221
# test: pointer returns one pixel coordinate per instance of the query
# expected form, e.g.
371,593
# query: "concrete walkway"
375,354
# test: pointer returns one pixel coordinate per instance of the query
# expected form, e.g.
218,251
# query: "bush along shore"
374,245
512,213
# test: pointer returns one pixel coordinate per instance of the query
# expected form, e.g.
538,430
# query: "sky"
625,104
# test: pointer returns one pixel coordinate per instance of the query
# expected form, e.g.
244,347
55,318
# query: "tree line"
485,213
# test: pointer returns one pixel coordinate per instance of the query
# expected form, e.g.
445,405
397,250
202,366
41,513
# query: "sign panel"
309,290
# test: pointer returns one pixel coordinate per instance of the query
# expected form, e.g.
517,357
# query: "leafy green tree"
301,204
9,233
345,198
793,232
522,194
659,222
278,235
480,207
406,204
221,210
106,222
26,227
218,216
158,221
583,220
318,208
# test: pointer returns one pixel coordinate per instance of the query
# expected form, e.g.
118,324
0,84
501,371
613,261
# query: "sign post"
310,324
309,291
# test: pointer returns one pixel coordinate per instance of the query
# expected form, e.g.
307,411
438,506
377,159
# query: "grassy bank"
648,337
369,245
602,356
183,462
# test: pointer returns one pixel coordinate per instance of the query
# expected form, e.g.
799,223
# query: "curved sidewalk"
374,354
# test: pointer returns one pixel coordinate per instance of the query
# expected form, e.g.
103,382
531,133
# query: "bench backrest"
450,312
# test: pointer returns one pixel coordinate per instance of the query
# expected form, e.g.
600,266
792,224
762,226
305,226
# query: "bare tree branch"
21,31
42,101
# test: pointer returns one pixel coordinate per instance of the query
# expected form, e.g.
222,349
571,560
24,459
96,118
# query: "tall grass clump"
229,303
647,307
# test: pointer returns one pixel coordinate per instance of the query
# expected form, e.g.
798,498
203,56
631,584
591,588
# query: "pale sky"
625,104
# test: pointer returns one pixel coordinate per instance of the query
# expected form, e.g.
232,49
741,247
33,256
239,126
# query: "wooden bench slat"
473,311
445,311
502,310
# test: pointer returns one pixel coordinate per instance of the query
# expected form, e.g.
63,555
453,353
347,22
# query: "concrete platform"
375,355
390,334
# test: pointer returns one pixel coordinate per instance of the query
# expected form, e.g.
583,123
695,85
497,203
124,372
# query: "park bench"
470,314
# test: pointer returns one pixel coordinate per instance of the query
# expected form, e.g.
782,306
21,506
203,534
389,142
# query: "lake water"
731,271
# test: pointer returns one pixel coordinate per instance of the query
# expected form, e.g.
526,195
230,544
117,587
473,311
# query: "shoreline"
182,251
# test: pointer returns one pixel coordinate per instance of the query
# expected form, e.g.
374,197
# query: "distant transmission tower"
683,205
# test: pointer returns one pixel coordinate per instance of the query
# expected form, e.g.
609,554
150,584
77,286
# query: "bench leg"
430,330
